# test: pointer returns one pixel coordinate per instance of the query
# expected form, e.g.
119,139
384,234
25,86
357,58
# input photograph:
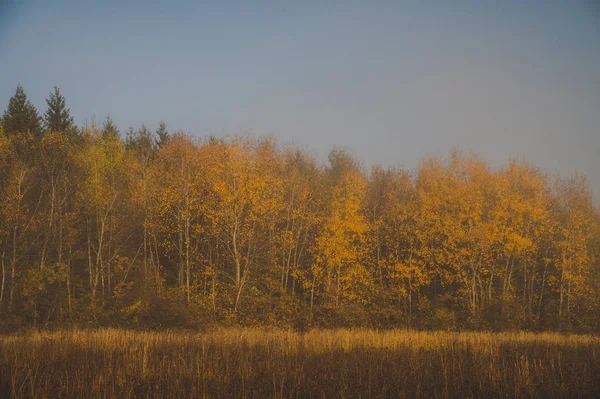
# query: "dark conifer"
110,130
163,135
21,116
58,117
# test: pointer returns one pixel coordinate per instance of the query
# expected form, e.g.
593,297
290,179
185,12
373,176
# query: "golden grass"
285,364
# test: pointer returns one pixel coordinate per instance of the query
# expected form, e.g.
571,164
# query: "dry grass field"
253,363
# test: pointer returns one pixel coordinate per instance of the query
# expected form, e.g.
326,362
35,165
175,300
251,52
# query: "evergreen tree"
110,130
21,116
58,117
130,137
141,141
163,135
145,141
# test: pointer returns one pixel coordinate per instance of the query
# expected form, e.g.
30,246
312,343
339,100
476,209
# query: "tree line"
157,229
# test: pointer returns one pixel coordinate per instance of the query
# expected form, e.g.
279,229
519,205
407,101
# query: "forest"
158,229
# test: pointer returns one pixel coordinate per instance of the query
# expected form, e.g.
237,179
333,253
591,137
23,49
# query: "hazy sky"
392,81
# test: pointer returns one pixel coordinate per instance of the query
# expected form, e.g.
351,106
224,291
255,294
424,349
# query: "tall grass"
253,363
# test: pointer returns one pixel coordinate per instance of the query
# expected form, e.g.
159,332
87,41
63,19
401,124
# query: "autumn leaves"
241,229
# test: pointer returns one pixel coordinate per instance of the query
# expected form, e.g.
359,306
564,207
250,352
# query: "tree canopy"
166,230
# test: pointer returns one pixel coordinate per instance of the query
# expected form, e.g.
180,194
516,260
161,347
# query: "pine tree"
21,116
140,142
163,135
58,117
110,130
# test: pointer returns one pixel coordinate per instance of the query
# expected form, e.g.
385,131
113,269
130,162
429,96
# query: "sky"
390,81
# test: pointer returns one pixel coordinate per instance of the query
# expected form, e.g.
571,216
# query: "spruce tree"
163,135
110,130
21,116
141,141
130,138
58,117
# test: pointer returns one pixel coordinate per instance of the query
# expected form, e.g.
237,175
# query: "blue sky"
391,81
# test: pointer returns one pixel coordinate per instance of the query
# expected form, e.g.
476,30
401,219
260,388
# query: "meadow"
256,363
